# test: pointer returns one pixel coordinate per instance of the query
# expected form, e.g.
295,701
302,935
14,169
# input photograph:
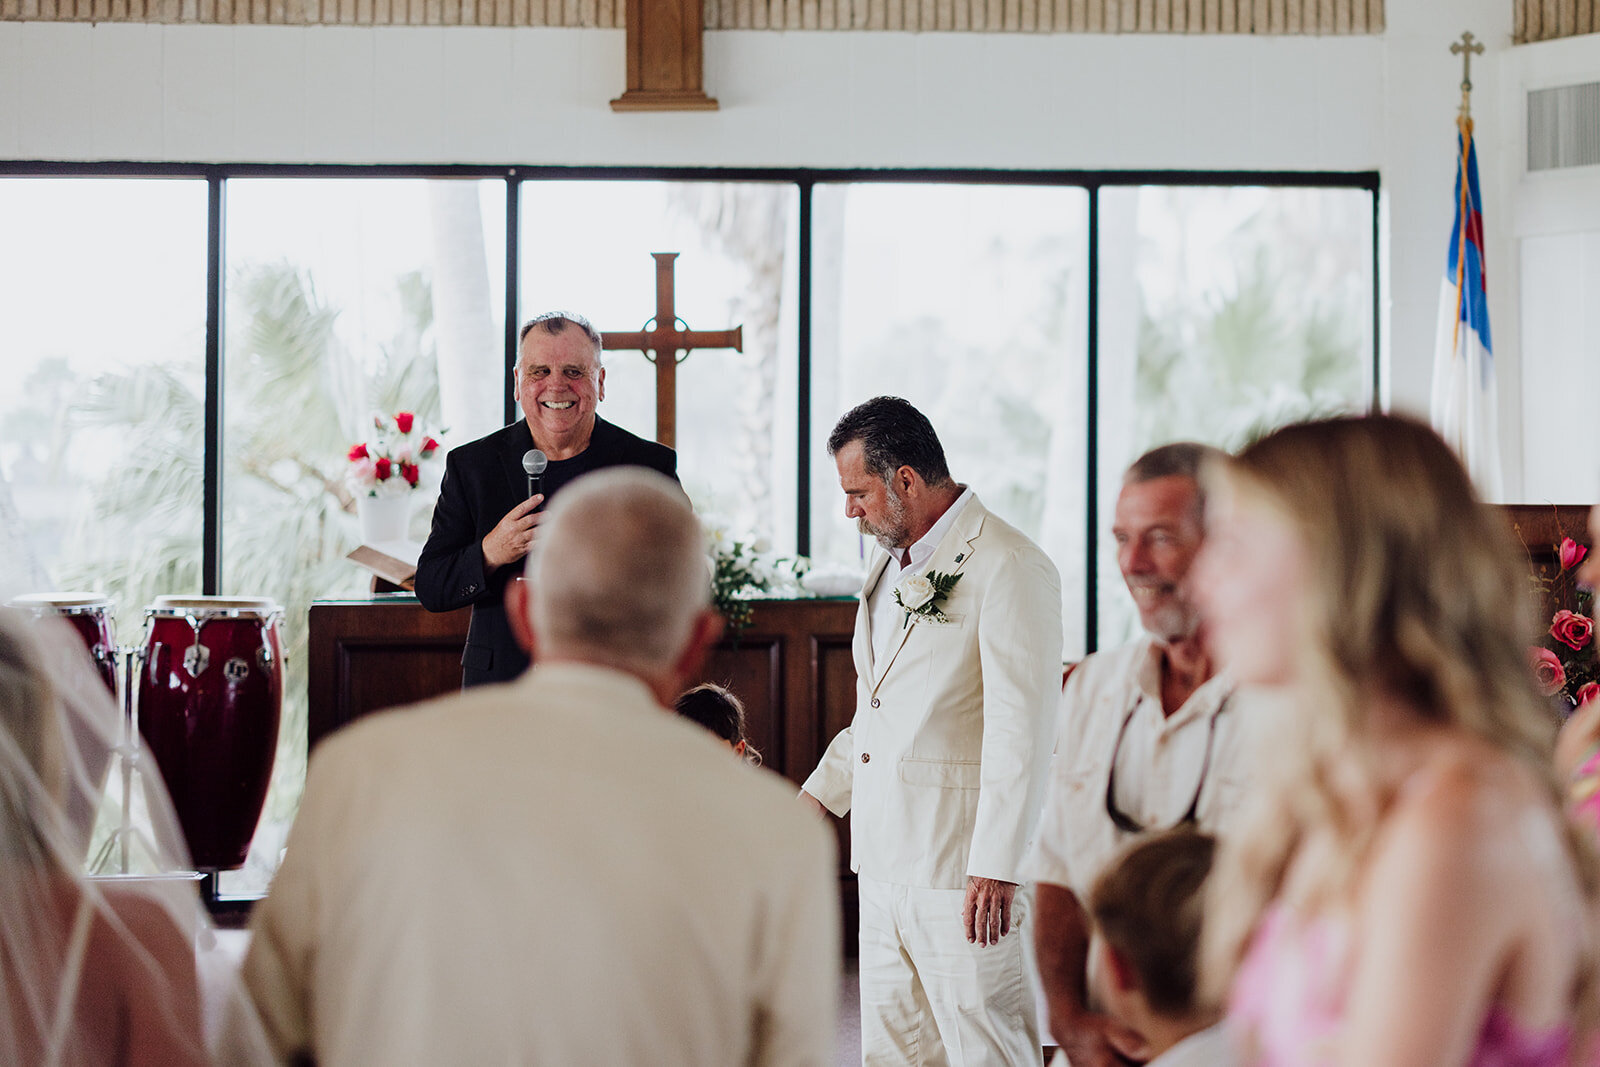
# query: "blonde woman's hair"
30,735
1415,590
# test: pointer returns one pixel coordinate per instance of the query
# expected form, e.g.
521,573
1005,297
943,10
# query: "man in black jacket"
485,521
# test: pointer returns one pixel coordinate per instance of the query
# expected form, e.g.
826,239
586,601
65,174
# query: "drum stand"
116,847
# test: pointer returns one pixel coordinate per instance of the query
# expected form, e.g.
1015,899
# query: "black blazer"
483,480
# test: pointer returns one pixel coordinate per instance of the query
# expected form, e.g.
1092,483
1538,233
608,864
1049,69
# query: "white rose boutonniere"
914,592
922,594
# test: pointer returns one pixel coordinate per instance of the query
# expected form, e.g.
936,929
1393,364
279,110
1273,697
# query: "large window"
347,299
969,301
103,296
1224,312
586,248
185,393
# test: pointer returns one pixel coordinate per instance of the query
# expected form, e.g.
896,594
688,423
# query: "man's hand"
513,535
812,802
986,914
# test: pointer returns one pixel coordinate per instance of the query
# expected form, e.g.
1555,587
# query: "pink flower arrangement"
1547,670
1571,629
1570,553
390,462
1563,663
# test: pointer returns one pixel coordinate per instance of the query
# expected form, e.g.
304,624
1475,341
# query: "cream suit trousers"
928,997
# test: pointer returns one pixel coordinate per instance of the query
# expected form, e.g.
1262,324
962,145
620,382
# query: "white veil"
107,955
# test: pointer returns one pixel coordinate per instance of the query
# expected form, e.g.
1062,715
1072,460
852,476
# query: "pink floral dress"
1287,1003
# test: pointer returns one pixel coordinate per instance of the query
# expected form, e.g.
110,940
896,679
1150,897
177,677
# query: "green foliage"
743,570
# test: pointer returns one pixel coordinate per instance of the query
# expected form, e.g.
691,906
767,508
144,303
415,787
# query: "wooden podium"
791,667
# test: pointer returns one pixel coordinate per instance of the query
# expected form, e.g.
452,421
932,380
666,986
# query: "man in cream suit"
958,659
557,869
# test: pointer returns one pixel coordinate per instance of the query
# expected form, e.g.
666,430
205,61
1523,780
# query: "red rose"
429,447
1547,670
408,471
358,452
384,467
1571,629
1588,691
1571,553
403,420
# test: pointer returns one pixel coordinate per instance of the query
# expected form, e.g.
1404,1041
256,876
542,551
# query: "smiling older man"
1150,736
485,520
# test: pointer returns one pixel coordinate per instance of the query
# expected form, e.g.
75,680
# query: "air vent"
1564,127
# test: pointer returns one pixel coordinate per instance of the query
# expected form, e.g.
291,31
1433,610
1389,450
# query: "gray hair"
619,573
1180,459
556,323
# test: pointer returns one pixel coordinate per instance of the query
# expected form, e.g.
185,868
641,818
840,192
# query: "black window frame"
804,179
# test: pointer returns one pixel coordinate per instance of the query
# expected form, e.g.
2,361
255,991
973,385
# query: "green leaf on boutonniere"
922,594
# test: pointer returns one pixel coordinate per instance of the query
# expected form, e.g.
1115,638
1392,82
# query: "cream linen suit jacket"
943,765
554,870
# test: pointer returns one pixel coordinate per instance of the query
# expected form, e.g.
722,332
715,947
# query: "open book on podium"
393,564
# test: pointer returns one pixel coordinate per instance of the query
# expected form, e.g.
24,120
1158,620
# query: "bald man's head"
619,574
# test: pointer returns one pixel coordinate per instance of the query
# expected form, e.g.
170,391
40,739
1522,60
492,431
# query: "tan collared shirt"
1159,761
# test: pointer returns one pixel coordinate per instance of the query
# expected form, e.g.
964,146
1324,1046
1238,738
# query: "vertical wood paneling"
1544,20
1535,19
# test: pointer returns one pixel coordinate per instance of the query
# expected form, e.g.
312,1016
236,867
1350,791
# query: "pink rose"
403,419
1571,553
358,452
1571,629
364,473
429,447
408,471
383,469
1588,691
1547,670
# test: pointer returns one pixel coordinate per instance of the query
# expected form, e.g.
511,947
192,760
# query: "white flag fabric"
1465,407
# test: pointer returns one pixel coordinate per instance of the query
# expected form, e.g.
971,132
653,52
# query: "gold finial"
1466,48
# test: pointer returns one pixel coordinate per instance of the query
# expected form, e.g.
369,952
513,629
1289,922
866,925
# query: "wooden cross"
661,341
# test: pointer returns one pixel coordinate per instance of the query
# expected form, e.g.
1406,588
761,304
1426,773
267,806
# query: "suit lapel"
864,611
951,557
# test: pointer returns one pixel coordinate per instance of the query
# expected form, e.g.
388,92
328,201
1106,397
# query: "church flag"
1465,407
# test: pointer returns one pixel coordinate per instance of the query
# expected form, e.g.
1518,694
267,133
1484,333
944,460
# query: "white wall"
407,95
1553,224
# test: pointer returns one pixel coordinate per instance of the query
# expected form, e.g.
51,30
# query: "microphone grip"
536,485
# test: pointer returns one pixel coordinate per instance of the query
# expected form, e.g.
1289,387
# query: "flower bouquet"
384,471
743,569
1564,659
390,462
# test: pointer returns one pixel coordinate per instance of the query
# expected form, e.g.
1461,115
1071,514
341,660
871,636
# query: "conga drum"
87,613
210,694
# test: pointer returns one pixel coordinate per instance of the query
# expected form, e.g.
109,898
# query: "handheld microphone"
533,464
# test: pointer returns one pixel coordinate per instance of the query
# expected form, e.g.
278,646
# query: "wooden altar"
791,667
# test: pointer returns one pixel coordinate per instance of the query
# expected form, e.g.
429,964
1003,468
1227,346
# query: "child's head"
719,711
1146,909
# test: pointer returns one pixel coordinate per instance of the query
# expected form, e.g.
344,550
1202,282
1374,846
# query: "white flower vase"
383,518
